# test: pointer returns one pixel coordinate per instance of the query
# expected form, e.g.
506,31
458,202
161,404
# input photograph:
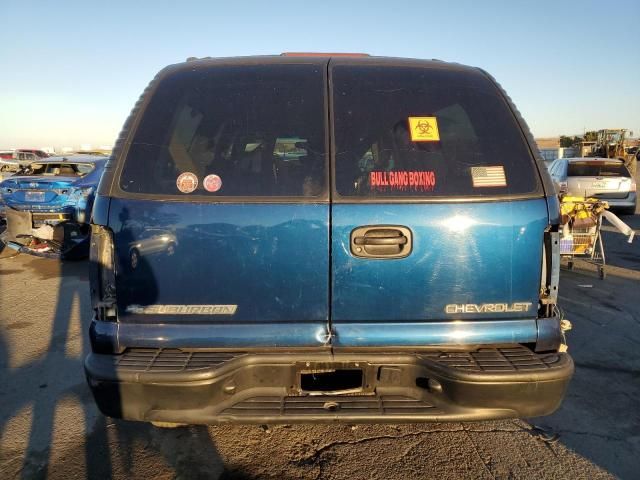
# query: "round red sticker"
187,182
212,183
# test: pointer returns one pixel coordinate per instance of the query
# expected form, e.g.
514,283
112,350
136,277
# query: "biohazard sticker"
212,183
424,129
422,181
187,182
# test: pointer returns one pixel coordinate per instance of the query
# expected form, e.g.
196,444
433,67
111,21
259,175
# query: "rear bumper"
628,202
45,234
208,387
43,214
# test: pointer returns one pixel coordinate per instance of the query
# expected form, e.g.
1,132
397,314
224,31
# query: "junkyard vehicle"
13,162
48,204
611,143
16,160
8,168
355,243
25,157
31,154
601,178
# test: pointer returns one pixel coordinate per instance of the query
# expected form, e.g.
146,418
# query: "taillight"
550,277
633,186
102,273
563,187
550,336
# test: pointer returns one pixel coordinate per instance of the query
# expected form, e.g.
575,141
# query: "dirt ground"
50,428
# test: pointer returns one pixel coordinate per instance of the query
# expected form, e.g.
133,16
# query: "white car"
605,178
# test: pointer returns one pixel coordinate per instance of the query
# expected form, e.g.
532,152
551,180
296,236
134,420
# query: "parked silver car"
152,241
605,178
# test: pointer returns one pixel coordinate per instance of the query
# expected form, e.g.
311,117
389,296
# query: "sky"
71,71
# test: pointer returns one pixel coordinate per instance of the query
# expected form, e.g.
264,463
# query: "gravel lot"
50,427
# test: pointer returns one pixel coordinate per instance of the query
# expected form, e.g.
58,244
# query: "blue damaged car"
325,238
47,206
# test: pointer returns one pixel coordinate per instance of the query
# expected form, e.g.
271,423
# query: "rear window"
597,169
64,169
407,131
230,131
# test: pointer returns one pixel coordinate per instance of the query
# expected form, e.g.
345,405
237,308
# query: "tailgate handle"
381,241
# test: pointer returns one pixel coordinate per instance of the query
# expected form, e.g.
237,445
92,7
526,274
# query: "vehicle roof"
592,159
320,59
74,159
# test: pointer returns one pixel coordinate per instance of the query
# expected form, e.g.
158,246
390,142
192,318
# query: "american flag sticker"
488,176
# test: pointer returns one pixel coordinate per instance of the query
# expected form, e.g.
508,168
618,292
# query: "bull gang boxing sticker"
421,181
187,182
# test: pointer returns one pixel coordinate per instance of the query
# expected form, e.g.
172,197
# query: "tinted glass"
232,131
597,169
407,131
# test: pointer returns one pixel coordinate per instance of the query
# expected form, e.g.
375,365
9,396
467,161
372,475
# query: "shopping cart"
580,235
584,243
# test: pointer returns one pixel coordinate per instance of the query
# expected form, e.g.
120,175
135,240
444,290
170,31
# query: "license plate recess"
333,378
34,196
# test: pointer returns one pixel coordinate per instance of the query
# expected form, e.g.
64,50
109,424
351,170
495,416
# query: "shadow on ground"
54,378
599,418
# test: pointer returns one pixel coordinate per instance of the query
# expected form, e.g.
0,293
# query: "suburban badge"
182,309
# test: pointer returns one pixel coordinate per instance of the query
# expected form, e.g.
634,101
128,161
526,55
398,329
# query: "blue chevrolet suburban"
325,238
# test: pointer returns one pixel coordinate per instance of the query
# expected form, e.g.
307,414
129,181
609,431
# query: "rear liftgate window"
597,169
231,131
418,132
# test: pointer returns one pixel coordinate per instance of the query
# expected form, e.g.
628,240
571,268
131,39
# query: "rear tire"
570,265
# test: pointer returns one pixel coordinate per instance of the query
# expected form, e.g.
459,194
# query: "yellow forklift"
610,143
